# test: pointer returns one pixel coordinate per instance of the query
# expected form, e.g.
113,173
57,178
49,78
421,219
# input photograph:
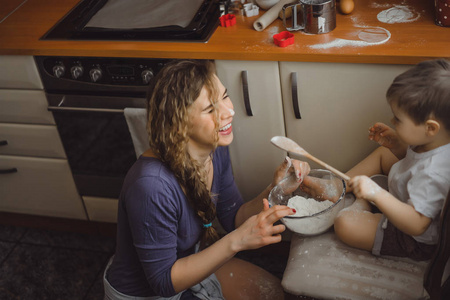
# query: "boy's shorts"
393,242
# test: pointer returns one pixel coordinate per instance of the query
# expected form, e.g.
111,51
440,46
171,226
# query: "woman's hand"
259,230
387,137
322,189
288,167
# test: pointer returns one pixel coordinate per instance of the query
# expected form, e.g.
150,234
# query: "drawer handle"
3,143
8,171
295,95
248,107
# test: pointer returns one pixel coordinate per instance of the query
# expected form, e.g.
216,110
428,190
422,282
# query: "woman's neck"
203,156
149,153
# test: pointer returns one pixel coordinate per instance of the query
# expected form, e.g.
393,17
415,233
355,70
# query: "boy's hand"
384,135
387,137
365,188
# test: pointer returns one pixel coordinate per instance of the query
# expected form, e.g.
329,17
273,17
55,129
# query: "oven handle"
102,110
91,103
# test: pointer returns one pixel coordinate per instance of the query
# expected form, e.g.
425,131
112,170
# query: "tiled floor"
43,264
46,264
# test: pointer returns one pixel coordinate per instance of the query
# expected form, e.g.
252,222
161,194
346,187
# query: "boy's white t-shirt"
423,181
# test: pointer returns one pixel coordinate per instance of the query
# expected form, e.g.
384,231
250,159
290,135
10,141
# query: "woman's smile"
226,130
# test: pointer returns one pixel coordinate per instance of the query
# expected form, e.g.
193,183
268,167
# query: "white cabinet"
253,157
19,72
337,103
35,177
38,186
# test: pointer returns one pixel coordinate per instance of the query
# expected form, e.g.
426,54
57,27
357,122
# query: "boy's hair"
423,92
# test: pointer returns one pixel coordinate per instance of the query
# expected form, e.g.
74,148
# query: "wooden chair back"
433,284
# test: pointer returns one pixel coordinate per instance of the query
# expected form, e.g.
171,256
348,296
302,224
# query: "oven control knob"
76,71
147,75
95,74
59,71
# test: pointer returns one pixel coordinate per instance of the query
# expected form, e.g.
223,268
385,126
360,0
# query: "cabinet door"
23,106
253,157
30,140
39,186
19,72
338,103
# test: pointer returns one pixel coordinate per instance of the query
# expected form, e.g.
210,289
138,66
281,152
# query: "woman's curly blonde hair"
172,92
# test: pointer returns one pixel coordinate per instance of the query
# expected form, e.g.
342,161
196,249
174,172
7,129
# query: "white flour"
307,206
398,14
368,36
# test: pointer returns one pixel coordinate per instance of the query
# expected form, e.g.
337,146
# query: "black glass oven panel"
97,145
71,26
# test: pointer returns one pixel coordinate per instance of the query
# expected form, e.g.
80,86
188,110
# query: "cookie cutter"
227,20
283,39
251,10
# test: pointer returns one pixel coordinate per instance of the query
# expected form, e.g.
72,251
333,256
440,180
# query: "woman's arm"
256,232
289,166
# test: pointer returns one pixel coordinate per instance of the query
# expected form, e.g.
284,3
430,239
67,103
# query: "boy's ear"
433,127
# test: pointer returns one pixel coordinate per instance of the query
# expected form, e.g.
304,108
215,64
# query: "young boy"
418,183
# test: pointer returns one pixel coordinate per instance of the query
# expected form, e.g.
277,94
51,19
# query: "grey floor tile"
69,240
11,233
5,249
96,292
40,272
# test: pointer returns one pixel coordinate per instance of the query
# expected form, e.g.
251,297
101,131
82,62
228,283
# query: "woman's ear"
432,127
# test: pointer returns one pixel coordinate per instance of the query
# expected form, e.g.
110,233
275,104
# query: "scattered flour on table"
367,36
378,5
398,14
307,206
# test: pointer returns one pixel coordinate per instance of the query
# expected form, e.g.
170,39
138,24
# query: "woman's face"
202,127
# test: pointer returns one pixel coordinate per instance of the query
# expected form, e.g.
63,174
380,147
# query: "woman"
166,244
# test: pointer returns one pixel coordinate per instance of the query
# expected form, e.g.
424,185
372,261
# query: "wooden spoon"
289,145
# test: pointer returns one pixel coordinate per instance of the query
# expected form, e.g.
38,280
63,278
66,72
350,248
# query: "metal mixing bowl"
328,184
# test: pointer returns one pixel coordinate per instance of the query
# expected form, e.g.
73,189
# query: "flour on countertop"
368,36
377,5
307,206
398,14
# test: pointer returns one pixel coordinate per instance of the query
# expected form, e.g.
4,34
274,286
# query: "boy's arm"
400,214
387,137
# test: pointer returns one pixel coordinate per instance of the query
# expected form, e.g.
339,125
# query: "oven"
88,97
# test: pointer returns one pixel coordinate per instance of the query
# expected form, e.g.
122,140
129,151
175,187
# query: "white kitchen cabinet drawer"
30,140
21,106
19,72
101,209
40,186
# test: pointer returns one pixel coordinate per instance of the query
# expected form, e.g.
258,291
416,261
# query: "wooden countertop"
358,38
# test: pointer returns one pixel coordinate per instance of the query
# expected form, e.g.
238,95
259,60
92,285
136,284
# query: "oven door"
96,139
